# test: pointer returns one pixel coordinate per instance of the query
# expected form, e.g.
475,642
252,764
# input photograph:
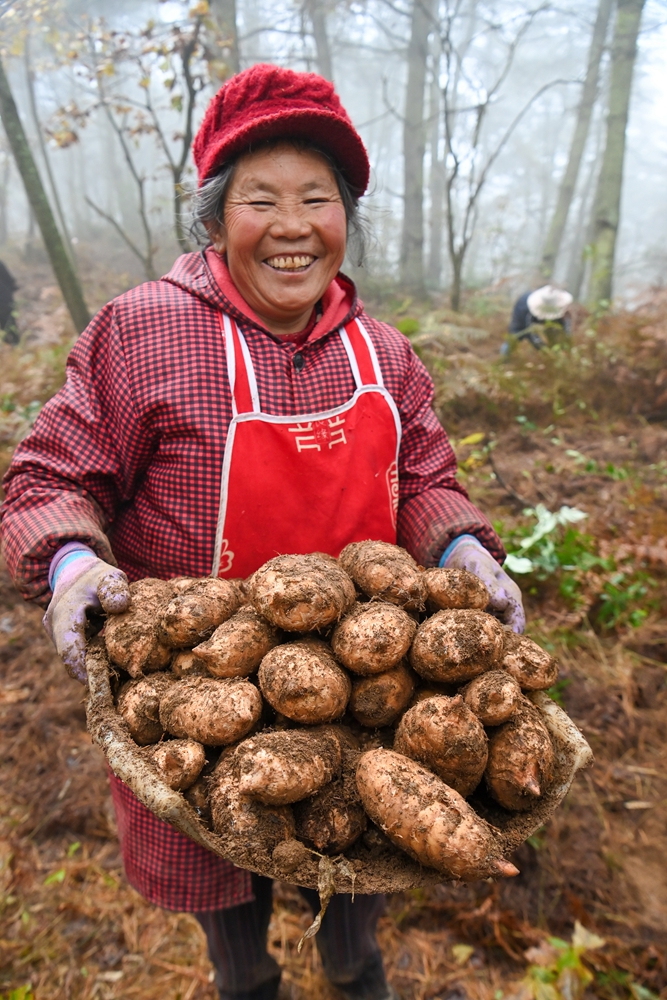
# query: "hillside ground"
579,425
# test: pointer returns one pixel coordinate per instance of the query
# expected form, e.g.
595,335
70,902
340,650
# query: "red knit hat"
268,102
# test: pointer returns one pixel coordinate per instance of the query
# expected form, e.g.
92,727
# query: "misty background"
468,109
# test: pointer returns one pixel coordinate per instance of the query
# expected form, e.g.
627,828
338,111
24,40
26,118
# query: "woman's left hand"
505,594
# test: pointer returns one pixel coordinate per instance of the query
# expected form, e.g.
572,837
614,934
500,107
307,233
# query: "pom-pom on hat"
268,102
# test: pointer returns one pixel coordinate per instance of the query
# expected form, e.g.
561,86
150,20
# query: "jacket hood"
205,275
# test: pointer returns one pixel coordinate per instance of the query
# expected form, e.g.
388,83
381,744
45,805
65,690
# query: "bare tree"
173,62
606,208
317,15
469,162
414,146
582,126
223,42
30,78
27,168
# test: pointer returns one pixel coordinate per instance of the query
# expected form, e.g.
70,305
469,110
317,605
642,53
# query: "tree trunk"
227,48
65,276
318,20
583,229
437,179
457,274
606,207
30,77
414,143
584,112
4,185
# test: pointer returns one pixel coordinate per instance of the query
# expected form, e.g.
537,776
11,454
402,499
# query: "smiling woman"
244,405
281,226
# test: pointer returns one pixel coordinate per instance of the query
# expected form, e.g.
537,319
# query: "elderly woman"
242,406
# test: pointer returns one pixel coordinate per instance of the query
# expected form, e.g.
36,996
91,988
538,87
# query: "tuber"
455,646
237,647
373,637
282,767
455,588
301,593
528,663
379,700
193,614
178,762
303,681
212,711
132,638
381,569
443,734
493,697
521,759
138,701
428,820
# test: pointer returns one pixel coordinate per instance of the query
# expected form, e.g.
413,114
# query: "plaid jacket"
127,456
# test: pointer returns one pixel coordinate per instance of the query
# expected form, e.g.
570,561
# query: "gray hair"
208,202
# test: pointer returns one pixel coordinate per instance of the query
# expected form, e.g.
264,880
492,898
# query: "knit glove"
465,552
80,582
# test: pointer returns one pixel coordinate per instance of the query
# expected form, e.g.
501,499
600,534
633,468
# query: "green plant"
22,993
408,326
619,597
552,547
557,970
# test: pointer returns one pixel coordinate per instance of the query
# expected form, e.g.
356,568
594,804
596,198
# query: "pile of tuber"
338,706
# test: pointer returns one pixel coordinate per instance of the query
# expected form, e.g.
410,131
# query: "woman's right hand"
82,582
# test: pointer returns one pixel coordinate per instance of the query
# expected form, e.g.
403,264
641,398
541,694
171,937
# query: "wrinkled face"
284,233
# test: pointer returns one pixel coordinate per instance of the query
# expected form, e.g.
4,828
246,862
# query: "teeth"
290,263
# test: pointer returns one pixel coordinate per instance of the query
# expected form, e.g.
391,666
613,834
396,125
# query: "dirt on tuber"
428,820
454,646
521,759
444,735
373,638
211,711
386,571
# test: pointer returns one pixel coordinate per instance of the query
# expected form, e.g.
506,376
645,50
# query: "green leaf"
473,438
55,877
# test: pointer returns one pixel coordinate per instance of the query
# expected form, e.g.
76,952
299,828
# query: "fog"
502,84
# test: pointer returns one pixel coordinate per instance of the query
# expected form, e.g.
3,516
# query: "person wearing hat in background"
543,307
242,406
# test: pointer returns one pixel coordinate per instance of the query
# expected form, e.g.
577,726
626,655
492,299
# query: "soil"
71,927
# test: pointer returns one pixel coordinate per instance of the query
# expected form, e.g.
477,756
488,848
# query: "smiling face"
284,233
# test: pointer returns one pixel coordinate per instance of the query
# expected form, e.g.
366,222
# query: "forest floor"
580,426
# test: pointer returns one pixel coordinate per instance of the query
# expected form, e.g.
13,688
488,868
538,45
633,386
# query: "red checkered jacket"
127,458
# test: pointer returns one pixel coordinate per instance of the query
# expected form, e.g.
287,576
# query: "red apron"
306,483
